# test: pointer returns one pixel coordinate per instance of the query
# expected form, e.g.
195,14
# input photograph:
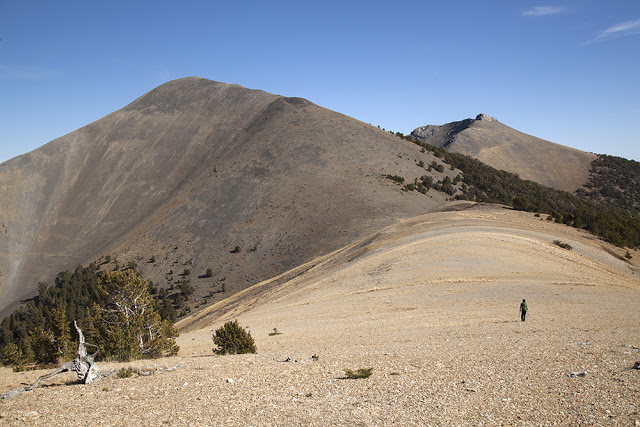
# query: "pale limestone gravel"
434,314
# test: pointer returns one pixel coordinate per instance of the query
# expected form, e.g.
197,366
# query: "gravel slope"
431,305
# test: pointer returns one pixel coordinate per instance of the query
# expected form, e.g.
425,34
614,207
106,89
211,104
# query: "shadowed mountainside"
188,172
504,148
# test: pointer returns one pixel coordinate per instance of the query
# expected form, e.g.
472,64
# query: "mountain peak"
485,117
502,147
189,171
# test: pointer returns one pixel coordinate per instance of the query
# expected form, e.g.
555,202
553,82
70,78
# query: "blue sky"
566,71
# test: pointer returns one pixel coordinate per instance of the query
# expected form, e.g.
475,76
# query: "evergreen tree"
133,326
61,331
13,357
43,346
232,338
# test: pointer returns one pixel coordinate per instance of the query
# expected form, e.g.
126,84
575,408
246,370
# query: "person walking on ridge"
523,310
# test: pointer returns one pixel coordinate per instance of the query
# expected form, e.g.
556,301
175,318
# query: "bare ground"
430,304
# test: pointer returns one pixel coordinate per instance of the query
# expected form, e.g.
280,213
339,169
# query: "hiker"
523,310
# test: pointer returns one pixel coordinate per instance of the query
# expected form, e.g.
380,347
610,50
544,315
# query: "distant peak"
485,117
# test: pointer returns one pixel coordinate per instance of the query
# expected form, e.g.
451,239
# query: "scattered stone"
577,374
230,380
288,359
636,365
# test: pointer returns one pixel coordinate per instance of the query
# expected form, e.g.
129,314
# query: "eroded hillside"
189,172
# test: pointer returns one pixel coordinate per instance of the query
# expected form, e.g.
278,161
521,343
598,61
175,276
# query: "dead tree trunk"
83,366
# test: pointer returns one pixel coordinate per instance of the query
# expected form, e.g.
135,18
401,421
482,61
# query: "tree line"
122,316
616,181
617,223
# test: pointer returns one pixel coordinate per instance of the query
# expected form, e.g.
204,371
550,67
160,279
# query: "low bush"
360,373
232,338
562,245
126,372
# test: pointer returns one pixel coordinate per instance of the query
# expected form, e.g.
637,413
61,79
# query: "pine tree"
132,324
43,345
89,329
232,338
61,331
13,357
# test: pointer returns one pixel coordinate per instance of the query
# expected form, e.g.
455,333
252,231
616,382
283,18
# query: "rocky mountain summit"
502,147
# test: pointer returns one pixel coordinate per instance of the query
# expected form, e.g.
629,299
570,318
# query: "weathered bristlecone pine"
83,365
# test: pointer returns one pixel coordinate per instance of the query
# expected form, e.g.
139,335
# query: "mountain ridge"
502,147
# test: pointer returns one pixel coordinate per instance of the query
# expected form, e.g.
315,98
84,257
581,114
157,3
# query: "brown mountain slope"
502,147
188,172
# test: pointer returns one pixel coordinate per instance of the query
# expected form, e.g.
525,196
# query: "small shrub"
186,272
125,373
275,332
395,178
628,255
562,245
209,273
236,250
315,357
360,373
232,338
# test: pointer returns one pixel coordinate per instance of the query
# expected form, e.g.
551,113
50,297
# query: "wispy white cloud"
623,29
26,73
544,10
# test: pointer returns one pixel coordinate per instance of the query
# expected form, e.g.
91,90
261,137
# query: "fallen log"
83,365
